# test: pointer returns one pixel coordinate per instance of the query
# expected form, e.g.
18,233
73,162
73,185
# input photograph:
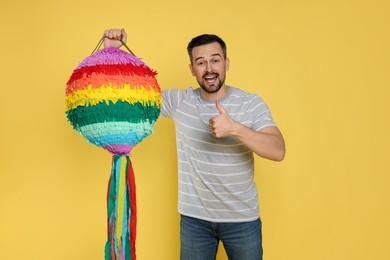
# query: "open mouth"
210,78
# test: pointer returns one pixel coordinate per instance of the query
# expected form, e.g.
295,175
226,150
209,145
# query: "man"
218,128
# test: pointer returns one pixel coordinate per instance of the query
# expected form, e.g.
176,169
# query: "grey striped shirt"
215,175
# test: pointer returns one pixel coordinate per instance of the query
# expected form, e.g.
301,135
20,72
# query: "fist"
221,125
114,38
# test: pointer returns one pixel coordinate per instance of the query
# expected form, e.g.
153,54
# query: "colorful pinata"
113,100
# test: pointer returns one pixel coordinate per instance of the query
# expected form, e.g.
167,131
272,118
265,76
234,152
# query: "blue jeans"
199,239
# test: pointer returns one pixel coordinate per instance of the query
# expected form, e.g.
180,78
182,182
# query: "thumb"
220,108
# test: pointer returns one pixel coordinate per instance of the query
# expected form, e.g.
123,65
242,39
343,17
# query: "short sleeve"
262,114
171,99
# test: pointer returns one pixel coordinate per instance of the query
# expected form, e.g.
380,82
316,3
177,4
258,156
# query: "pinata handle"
121,211
101,42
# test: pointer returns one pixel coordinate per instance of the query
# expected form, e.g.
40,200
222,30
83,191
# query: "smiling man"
209,66
218,129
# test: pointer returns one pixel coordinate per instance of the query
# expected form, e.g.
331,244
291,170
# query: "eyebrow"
215,54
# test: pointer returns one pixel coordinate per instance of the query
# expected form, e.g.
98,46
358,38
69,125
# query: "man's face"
209,66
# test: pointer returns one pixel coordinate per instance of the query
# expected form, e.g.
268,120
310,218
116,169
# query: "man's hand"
114,38
221,125
267,142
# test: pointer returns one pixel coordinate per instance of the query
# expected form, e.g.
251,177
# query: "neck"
222,92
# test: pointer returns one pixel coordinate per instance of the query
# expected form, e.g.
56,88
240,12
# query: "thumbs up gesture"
221,125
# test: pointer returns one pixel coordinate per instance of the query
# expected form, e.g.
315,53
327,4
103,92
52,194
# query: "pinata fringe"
106,112
121,211
111,56
112,70
116,128
131,95
99,81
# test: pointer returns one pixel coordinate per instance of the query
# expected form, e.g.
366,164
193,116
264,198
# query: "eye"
200,63
216,61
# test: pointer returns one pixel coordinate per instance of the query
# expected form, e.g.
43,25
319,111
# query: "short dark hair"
206,39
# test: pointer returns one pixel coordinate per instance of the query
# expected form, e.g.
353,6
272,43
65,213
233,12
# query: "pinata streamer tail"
121,211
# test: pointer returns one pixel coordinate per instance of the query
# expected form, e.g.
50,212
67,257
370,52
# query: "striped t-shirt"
215,175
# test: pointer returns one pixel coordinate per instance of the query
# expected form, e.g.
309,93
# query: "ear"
192,69
227,64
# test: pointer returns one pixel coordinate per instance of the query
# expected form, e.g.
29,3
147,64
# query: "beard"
213,88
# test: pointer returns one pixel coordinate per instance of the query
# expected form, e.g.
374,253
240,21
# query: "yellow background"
322,67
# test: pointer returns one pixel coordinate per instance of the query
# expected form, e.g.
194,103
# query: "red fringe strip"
117,69
133,207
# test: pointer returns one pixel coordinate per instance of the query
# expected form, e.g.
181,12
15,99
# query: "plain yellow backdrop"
322,66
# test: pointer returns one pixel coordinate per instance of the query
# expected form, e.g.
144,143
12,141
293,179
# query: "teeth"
209,78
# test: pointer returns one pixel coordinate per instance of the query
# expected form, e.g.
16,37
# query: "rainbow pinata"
113,100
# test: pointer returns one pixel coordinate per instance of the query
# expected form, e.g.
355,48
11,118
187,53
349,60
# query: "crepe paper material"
113,100
121,211
108,87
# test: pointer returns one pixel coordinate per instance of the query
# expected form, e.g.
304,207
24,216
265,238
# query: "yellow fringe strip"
91,97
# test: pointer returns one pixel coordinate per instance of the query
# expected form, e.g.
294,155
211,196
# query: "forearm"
267,143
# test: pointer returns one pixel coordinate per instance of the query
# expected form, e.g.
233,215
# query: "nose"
208,67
